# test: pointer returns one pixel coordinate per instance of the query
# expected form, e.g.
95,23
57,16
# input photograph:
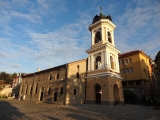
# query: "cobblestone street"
27,110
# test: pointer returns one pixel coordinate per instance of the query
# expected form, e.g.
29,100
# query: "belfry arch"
109,37
97,62
112,63
98,37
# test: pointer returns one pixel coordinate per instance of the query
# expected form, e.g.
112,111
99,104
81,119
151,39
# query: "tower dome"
101,16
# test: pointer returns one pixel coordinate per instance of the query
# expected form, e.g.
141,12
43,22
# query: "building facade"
93,80
136,69
63,84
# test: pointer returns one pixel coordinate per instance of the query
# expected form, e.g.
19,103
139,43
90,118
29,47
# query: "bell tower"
103,76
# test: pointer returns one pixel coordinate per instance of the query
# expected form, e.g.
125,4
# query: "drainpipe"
66,80
32,86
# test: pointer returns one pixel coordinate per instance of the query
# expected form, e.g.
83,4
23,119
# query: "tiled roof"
129,53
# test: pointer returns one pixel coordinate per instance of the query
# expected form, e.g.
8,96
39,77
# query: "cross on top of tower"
100,9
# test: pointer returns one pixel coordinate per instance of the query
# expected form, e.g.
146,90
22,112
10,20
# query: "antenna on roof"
100,9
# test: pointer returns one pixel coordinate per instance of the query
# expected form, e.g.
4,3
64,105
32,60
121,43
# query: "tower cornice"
102,46
101,21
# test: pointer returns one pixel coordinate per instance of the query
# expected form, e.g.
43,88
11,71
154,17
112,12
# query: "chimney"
38,69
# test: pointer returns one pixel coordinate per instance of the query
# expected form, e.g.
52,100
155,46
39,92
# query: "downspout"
86,79
66,80
32,86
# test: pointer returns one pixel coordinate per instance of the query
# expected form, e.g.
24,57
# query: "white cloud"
31,17
62,45
136,24
47,7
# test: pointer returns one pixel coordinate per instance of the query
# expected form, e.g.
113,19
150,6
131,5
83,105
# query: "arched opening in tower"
98,92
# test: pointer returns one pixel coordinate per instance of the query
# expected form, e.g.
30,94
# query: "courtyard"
11,109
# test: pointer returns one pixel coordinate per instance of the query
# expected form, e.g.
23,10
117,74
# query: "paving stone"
11,109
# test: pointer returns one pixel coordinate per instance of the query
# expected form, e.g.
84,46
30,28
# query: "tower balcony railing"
103,69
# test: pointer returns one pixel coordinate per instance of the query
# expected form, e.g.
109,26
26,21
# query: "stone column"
109,63
102,59
106,58
92,62
92,38
117,63
112,35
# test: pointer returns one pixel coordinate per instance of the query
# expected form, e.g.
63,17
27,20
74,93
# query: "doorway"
116,93
98,93
41,94
55,96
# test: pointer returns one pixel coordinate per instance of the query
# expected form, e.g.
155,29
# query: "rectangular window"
126,61
122,70
78,66
131,69
127,70
74,91
122,62
145,71
61,91
130,60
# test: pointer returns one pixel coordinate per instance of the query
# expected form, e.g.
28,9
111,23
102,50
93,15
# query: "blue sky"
46,33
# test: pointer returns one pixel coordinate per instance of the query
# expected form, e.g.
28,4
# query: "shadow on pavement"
49,117
9,112
79,117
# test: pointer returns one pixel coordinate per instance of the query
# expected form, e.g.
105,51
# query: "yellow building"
135,67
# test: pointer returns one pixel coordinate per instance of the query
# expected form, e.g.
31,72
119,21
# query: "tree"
6,77
14,75
157,61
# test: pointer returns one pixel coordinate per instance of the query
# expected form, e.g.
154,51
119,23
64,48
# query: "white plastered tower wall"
108,48
103,75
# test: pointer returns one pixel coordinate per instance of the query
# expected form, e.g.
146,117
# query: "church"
94,80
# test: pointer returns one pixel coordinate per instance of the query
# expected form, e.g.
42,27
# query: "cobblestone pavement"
26,110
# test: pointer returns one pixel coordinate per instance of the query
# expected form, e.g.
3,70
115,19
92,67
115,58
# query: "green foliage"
157,58
157,61
6,77
129,96
3,96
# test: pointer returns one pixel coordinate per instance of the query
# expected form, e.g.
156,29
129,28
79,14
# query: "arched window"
98,37
98,62
112,62
109,37
57,76
36,90
77,74
26,88
50,77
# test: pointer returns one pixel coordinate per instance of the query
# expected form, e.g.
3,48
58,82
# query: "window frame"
130,60
74,91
